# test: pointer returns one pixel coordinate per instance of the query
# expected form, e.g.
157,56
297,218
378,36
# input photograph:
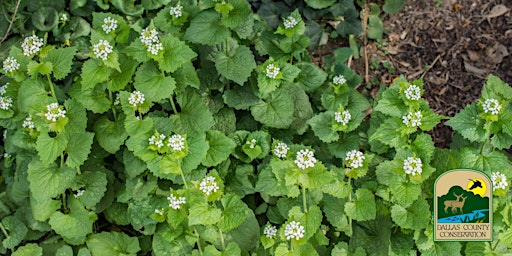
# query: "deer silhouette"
455,204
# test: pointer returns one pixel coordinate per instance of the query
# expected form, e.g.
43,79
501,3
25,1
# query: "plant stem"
173,106
78,170
51,87
3,230
198,242
222,239
350,200
304,202
495,245
111,100
183,177
64,202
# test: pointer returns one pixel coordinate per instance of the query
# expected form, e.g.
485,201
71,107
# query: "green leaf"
321,125
112,243
74,226
495,88
16,230
276,111
154,85
194,117
44,68
42,209
389,133
391,103
78,148
94,185
176,54
424,146
311,221
119,80
494,161
110,134
48,148
319,4
28,250
392,6
220,148
207,28
94,99
363,207
93,73
234,212
236,17
187,76
203,214
135,127
240,97
445,248
237,64
468,123
375,27
198,148
413,217
48,181
337,218
62,59
137,50
310,77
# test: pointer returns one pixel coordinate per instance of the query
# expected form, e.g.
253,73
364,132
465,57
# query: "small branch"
11,21
430,66
365,42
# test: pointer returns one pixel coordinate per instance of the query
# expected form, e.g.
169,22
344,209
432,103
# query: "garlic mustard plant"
492,105
10,65
136,98
176,142
281,150
109,25
294,230
412,119
176,11
3,88
413,92
339,80
31,45
343,117
157,140
208,185
270,231
290,22
54,111
102,49
28,123
413,166
149,38
251,143
79,193
499,181
176,202
5,102
305,159
272,70
354,159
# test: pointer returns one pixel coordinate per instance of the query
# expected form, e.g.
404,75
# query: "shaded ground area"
453,46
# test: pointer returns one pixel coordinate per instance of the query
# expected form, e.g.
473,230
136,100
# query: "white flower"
305,159
342,117
31,45
272,70
290,22
208,185
54,111
27,123
64,17
339,80
413,165
117,101
499,181
176,11
354,159
136,98
5,102
176,142
154,48
157,140
3,88
270,231
109,24
281,149
102,49
6,155
159,211
492,105
4,134
251,143
11,64
148,36
412,119
294,230
413,92
176,202
79,193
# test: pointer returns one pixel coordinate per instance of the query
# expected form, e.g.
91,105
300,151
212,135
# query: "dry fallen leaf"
496,11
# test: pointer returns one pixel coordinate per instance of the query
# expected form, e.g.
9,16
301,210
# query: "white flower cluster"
208,185
176,142
413,165
294,230
151,40
3,88
157,140
102,49
499,181
64,17
354,159
54,111
343,117
339,80
413,92
117,101
305,159
176,202
109,24
412,119
290,22
79,193
6,155
272,70
251,143
5,102
11,64
176,11
31,45
136,98
492,105
270,231
27,123
159,211
281,149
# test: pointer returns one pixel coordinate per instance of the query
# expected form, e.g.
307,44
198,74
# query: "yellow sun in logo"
477,186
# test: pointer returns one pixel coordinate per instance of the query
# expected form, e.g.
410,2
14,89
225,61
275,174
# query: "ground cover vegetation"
162,127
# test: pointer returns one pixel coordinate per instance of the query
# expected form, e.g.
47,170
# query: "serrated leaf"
34,68
112,243
236,65
310,77
93,73
194,117
119,80
32,96
74,226
94,185
389,133
110,134
153,84
445,248
62,59
238,15
412,217
240,97
42,209
187,76
495,88
220,147
424,146
176,54
276,111
311,221
48,181
78,148
321,125
391,103
198,148
28,250
234,212
468,123
93,99
363,207
16,230
207,28
203,214
50,148
337,218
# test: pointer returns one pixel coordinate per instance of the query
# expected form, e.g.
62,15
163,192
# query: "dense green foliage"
162,127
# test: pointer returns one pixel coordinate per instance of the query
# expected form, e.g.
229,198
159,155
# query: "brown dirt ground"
453,47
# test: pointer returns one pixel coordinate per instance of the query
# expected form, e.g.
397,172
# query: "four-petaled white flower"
27,123
492,105
54,111
272,70
343,117
11,64
251,143
31,45
412,119
109,24
413,92
176,202
3,88
294,230
339,80
290,22
354,159
413,165
270,231
157,140
176,11
79,193
305,159
281,149
208,185
499,181
149,38
136,98
102,49
176,142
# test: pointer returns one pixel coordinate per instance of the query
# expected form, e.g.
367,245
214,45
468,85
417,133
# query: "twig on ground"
10,22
